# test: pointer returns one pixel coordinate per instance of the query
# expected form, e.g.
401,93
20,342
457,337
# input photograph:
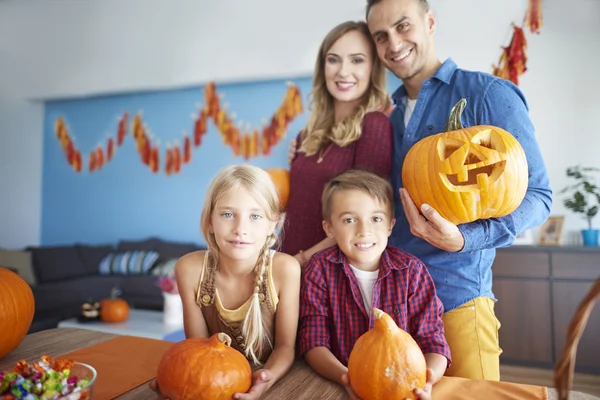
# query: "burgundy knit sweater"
373,151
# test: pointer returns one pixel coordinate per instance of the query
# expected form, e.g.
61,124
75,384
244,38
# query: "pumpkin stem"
454,123
115,293
224,338
377,313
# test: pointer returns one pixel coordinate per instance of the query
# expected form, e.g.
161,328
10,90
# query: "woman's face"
348,66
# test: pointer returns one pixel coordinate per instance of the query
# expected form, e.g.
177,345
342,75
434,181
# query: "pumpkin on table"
386,362
467,174
114,309
17,306
203,369
281,179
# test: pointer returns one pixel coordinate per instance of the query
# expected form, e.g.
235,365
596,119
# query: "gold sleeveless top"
220,319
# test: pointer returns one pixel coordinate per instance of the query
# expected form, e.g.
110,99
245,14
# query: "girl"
239,285
346,129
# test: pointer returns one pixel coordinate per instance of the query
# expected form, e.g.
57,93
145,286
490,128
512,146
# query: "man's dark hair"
370,3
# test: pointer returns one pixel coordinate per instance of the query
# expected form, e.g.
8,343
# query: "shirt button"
261,297
239,339
206,298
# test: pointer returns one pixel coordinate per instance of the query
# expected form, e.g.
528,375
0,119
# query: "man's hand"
260,384
292,151
431,226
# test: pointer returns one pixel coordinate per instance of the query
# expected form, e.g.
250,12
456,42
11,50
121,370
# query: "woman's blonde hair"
259,184
321,127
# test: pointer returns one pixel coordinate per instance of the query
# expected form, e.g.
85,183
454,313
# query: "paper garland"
249,142
513,60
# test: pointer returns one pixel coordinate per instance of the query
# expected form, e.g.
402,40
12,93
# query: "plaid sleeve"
425,312
313,331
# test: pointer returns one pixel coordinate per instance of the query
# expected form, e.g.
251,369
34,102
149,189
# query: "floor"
584,383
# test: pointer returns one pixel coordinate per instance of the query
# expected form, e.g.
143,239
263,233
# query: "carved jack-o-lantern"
90,310
467,174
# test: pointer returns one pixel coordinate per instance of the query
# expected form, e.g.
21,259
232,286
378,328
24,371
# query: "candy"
47,379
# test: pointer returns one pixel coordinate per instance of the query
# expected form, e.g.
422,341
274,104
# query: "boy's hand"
349,390
154,386
260,384
425,393
292,151
431,226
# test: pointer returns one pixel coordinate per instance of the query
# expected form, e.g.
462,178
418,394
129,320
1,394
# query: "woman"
346,129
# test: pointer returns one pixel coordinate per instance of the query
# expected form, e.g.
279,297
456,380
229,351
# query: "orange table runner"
466,389
122,363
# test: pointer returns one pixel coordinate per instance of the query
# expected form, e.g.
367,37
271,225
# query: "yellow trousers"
472,334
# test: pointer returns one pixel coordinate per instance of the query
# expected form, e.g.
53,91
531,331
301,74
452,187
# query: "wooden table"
300,382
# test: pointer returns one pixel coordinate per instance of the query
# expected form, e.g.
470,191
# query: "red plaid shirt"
332,310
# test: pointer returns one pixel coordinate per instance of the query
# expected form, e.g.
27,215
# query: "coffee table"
141,323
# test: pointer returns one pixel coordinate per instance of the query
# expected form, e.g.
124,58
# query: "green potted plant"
584,199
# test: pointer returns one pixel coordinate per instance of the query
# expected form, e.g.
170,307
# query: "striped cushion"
128,262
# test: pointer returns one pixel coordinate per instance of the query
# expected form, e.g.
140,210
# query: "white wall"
65,48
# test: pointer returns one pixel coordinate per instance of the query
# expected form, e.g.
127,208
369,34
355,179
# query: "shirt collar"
443,74
385,267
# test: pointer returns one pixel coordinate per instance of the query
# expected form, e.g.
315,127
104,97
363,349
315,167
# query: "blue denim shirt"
463,276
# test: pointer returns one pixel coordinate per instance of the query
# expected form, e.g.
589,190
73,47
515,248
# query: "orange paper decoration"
248,143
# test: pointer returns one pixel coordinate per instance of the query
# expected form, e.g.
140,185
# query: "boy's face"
361,225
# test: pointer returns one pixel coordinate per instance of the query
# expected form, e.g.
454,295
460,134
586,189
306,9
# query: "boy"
343,283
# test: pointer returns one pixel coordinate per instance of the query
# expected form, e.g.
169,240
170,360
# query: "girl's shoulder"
190,262
285,267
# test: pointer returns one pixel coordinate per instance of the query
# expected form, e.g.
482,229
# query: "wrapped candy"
47,379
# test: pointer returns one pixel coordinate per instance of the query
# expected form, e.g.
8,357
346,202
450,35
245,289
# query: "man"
459,258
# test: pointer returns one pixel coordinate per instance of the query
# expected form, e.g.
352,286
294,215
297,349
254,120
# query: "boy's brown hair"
364,181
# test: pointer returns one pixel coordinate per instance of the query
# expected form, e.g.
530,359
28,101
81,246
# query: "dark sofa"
68,276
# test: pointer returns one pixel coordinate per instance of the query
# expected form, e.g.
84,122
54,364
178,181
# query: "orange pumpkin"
17,307
114,309
386,362
281,179
467,174
203,369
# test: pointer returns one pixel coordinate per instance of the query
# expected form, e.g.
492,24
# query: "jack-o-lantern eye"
467,174
468,164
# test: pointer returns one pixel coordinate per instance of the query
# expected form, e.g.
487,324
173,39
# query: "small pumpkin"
281,179
467,174
386,362
17,306
114,309
203,369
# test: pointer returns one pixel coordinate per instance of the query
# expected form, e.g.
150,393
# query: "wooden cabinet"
538,291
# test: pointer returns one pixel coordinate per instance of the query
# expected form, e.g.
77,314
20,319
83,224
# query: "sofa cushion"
92,255
20,262
69,295
164,267
166,249
56,263
128,262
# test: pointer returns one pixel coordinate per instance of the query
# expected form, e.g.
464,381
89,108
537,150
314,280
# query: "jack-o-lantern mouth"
90,310
470,166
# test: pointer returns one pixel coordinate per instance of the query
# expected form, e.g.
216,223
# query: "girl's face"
348,66
240,225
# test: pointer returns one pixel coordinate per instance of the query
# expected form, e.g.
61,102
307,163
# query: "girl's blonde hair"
321,127
259,184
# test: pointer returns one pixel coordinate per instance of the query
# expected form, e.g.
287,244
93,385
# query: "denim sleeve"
505,106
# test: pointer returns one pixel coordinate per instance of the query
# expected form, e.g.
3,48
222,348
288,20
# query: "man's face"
403,33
